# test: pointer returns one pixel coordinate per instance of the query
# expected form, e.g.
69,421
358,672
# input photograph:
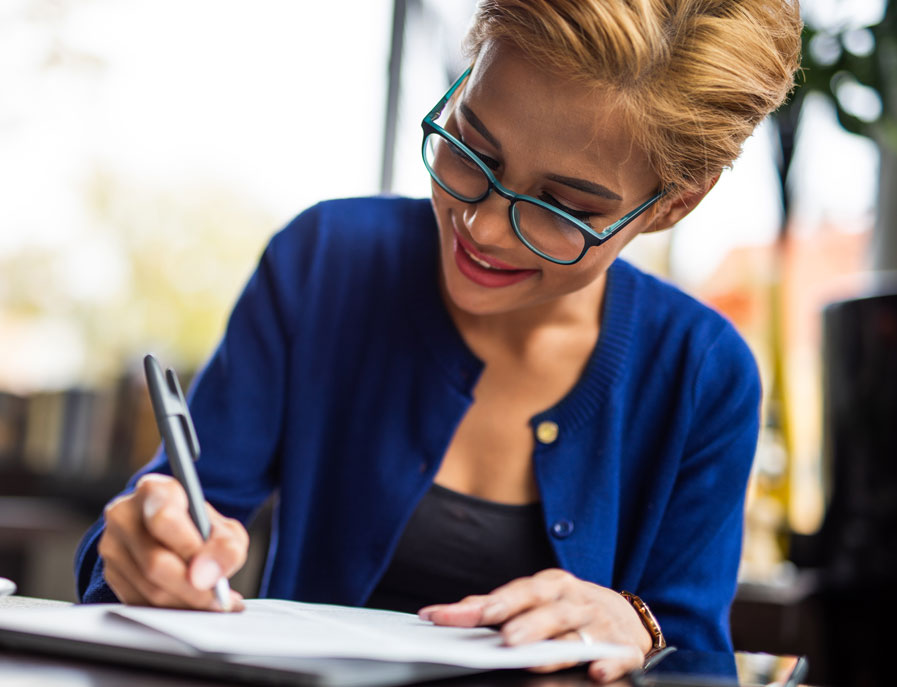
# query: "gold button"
547,432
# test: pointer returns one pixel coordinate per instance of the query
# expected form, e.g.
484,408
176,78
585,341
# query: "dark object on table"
855,551
720,669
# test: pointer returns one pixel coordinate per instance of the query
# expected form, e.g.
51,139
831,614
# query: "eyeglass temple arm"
626,219
436,111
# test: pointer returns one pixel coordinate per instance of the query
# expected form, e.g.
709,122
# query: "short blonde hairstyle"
692,78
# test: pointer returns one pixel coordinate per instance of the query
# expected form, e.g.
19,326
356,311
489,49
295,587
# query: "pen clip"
168,401
175,387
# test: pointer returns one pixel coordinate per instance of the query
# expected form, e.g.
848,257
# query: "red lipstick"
498,274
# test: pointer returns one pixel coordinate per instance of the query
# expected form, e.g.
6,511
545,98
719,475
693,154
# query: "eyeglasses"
548,231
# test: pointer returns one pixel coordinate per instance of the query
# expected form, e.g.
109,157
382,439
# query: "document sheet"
270,627
296,643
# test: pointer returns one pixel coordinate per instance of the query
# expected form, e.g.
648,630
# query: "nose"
487,222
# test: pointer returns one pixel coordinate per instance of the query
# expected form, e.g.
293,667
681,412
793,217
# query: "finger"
131,587
222,555
158,571
124,591
546,622
228,542
610,669
464,613
567,636
552,668
236,602
127,580
526,593
165,513
505,602
115,576
167,520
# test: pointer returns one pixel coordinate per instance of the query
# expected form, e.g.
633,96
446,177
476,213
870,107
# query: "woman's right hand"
154,555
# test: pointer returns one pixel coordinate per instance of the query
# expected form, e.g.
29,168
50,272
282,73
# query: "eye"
452,127
490,162
460,155
582,215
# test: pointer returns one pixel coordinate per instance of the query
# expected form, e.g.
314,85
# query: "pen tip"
223,595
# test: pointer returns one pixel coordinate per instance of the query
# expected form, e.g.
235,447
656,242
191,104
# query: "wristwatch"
649,621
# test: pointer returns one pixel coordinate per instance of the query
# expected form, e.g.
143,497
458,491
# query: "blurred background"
149,149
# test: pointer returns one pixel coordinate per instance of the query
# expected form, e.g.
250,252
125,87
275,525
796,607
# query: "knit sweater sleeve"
237,400
690,577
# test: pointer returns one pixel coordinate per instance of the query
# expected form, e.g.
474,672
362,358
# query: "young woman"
468,405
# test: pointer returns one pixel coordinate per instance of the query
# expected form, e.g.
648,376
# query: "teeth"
478,261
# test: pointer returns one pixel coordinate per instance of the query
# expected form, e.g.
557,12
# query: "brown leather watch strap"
649,621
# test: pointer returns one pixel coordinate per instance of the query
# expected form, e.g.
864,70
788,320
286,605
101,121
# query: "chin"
462,294
467,297
478,307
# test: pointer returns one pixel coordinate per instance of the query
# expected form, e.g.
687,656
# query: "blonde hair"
692,78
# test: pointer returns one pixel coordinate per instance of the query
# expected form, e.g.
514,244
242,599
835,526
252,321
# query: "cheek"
569,279
559,279
441,204
593,265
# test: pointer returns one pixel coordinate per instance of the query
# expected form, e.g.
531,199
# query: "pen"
182,449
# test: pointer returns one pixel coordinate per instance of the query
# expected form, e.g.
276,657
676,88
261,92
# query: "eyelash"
581,215
485,159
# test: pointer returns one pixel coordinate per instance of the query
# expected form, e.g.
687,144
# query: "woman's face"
546,137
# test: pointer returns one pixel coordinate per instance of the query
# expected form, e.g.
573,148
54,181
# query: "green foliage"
842,57
171,264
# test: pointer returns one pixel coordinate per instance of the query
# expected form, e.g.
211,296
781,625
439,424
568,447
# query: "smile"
478,261
485,270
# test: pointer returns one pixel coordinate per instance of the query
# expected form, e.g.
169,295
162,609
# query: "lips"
485,270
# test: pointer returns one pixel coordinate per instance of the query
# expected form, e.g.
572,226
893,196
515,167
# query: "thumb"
223,554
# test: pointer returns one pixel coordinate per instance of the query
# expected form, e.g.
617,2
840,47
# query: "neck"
573,316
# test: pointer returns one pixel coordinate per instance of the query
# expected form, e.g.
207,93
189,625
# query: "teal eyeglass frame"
590,236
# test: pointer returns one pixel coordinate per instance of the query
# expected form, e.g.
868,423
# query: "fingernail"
514,635
492,612
236,601
151,505
426,613
205,573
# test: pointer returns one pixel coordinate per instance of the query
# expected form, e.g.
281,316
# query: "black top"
455,545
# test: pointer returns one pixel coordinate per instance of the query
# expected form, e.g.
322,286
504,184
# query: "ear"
677,205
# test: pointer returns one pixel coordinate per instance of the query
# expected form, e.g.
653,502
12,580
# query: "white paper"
90,623
276,628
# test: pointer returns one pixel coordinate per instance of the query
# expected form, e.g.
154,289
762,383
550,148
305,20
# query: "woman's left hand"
553,604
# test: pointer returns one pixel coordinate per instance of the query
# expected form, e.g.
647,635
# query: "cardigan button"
547,432
562,529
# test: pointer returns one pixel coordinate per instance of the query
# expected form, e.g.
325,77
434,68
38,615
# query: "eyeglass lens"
545,231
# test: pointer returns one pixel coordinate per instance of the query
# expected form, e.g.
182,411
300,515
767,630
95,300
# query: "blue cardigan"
341,379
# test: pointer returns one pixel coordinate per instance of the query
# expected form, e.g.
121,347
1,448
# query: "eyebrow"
587,186
572,182
477,124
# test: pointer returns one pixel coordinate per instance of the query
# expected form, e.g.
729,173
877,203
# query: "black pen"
182,448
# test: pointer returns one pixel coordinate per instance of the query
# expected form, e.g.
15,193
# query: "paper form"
281,630
270,627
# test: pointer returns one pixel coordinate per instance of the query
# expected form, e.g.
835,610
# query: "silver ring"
585,637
